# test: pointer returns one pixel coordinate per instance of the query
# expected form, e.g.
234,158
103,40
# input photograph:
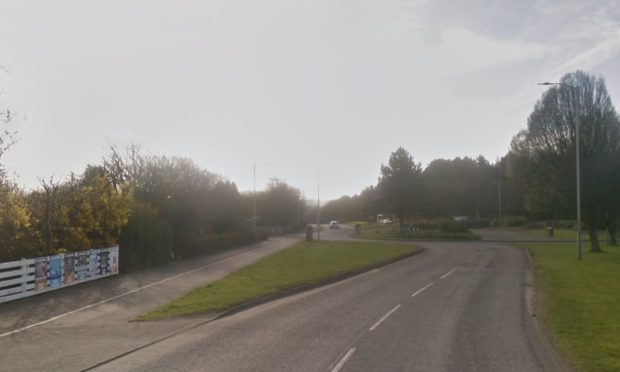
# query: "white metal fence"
28,277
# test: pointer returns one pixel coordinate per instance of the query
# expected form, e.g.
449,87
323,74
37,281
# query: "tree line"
157,208
536,179
445,188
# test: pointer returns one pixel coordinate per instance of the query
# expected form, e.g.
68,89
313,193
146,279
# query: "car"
334,225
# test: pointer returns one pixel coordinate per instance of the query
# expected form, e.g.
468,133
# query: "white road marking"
343,360
422,289
122,294
384,318
447,274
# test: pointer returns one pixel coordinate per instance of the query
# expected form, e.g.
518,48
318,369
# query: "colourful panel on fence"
55,271
93,264
69,269
104,261
113,259
81,266
40,274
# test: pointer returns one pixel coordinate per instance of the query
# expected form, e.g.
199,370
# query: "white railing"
28,277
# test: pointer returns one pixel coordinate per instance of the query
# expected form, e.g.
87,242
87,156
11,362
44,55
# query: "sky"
297,88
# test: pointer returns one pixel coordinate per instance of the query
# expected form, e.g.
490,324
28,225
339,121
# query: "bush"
535,225
450,226
146,240
510,221
444,225
565,224
216,243
477,223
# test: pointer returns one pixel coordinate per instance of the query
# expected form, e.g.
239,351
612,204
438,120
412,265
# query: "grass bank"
580,303
304,264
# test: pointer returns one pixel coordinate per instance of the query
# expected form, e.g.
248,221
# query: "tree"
50,193
280,205
461,187
17,237
399,184
7,136
543,155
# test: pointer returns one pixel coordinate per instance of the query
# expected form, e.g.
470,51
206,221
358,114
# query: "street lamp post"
318,206
254,203
578,171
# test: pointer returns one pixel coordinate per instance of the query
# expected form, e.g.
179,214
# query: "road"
458,306
77,327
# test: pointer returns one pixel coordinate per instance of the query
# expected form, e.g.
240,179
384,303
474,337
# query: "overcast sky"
339,83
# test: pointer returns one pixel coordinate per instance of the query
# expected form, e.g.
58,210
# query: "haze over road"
456,306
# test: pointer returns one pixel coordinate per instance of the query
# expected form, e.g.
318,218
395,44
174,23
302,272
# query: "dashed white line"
447,274
383,318
124,294
422,289
343,360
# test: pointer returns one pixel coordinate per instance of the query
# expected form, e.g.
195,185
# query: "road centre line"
343,360
447,274
123,294
383,318
422,289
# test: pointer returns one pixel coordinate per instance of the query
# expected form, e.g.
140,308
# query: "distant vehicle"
384,218
334,225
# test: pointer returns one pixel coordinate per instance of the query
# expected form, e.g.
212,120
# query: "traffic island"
303,266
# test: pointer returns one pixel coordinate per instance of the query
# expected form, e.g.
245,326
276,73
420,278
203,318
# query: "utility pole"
254,203
318,205
579,254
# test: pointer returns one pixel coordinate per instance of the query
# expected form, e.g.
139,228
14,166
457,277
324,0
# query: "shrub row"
222,242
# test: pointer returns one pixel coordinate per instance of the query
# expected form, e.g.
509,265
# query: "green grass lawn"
303,264
581,302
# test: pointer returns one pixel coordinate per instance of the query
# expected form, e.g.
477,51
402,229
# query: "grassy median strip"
303,264
581,303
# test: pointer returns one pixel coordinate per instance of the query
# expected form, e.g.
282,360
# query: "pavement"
77,327
457,306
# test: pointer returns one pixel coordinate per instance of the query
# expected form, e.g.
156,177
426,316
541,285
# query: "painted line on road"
447,274
343,360
422,289
384,318
124,294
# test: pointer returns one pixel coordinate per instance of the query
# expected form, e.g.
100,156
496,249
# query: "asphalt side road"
74,328
458,306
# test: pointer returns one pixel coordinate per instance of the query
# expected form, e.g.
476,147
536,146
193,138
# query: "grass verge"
580,303
302,265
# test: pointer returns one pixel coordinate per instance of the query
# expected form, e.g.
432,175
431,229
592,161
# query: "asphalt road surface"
458,306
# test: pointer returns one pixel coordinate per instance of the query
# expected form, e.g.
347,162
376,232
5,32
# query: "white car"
334,225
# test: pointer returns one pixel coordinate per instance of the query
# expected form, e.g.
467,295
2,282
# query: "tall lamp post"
254,203
578,171
318,206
